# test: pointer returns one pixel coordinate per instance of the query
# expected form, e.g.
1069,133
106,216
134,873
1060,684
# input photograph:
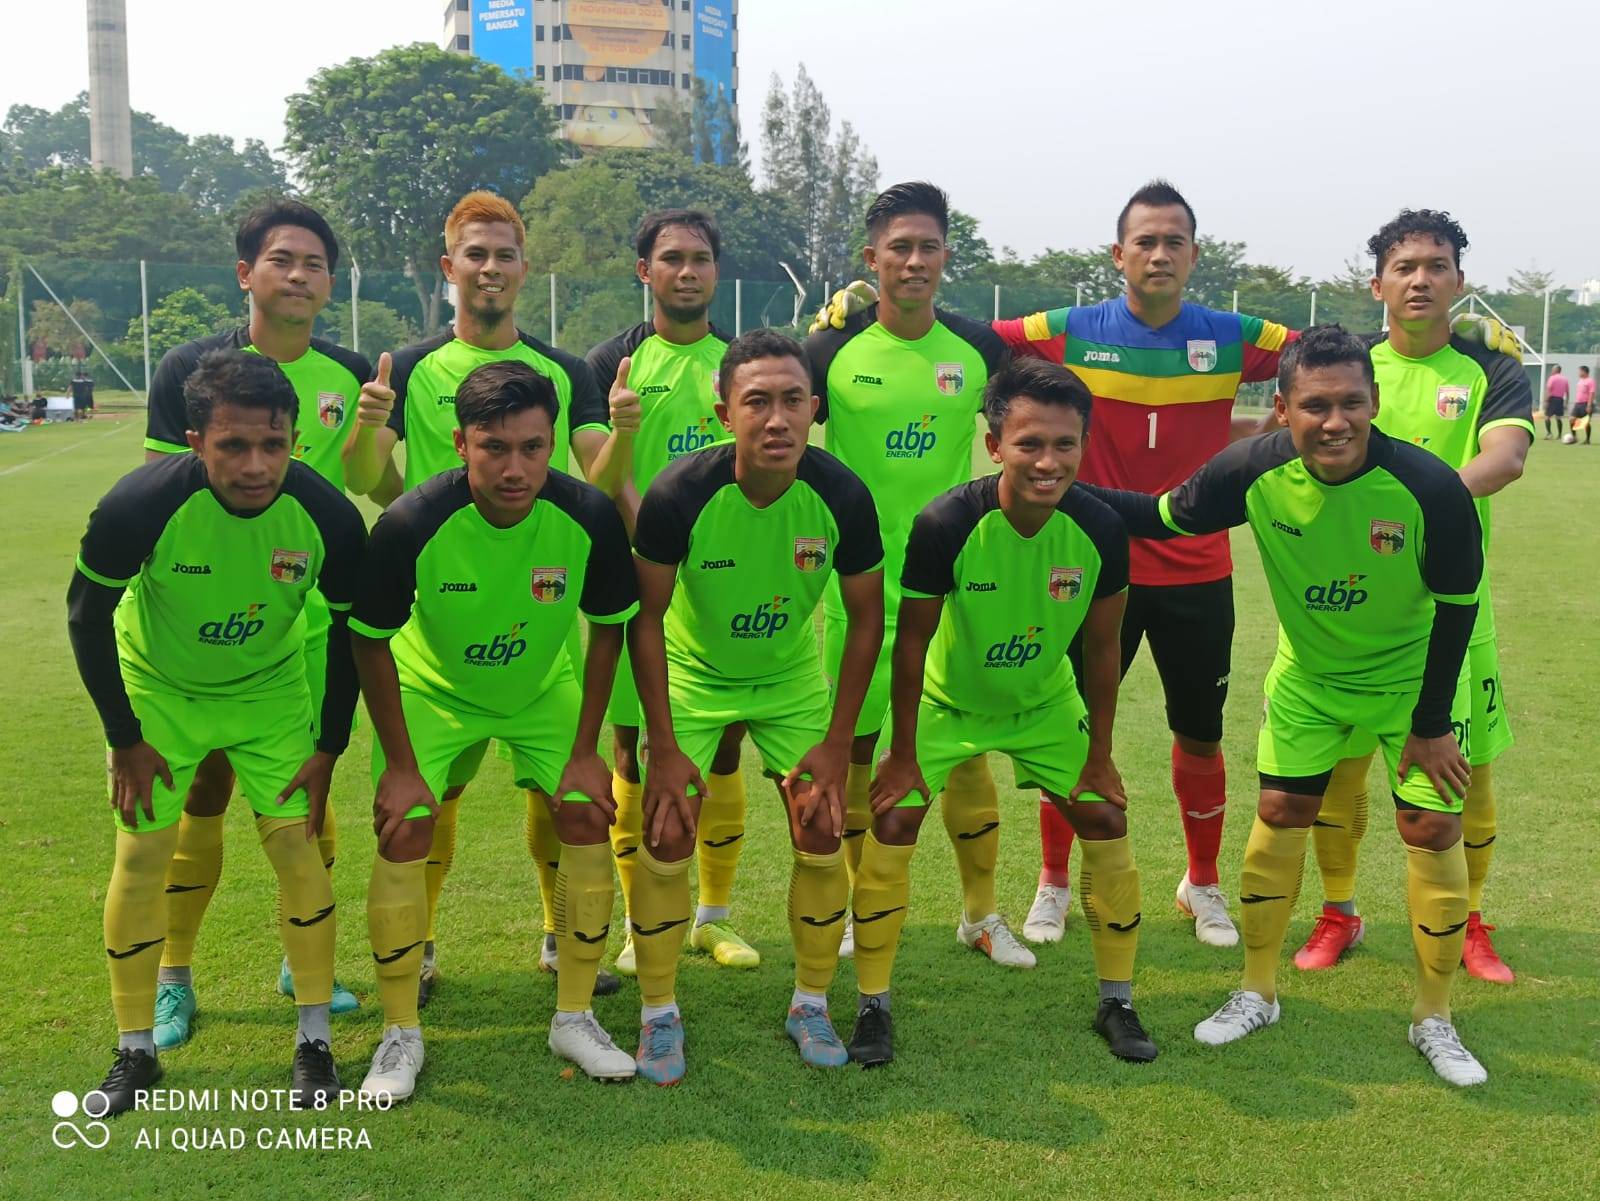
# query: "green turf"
1000,1088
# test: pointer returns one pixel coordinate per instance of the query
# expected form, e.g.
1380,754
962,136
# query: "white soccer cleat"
1209,908
847,944
1047,920
583,1041
994,938
395,1067
1244,1013
1441,1047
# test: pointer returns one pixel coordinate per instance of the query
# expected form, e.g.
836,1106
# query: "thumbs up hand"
626,411
376,401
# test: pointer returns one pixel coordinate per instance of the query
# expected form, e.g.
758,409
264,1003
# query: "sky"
1297,128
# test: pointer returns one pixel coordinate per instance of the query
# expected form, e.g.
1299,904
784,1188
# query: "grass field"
1000,1089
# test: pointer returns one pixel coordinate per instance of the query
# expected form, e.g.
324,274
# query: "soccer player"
1472,408
221,548
412,398
287,257
1000,575
660,377
734,545
474,581
900,387
1373,555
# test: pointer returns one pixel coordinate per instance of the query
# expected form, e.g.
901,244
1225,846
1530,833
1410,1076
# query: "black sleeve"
610,585
1139,512
167,415
604,358
1452,536
674,500
403,363
388,584
1110,537
981,337
1510,393
587,405
849,500
937,535
1447,650
822,346
94,645
356,364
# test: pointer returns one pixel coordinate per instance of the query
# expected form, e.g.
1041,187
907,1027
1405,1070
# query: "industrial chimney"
110,119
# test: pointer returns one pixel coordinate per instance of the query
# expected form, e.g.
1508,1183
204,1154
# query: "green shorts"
1047,744
785,719
1309,725
623,708
465,769
449,744
1491,721
266,741
875,707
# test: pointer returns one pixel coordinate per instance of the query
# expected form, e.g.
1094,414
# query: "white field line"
59,451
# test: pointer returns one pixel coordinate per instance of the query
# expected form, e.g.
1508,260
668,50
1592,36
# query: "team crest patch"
1202,354
1065,583
290,566
1387,537
549,584
810,554
950,378
330,409
1451,402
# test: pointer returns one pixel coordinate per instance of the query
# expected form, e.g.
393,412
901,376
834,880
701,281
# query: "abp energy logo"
915,441
234,630
1336,596
764,622
693,437
1017,651
499,650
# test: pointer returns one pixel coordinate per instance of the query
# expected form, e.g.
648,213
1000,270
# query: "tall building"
606,65
110,118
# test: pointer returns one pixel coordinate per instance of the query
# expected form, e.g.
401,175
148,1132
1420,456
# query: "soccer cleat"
872,1044
724,945
626,964
132,1073
1209,908
812,1031
847,944
1441,1047
427,982
1047,919
604,982
315,1082
1243,1013
1479,956
584,1042
174,1013
342,1001
994,938
660,1056
1333,935
395,1067
1117,1023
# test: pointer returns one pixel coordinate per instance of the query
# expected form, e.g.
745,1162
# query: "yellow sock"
544,844
1341,823
721,834
627,833
1436,889
191,883
971,810
441,857
878,909
327,838
397,924
660,919
819,897
306,920
1268,888
1108,887
857,815
1478,832
583,896
136,922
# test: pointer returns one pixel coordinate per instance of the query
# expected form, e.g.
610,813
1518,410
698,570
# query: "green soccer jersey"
902,415
1444,403
425,377
677,389
479,615
327,381
749,579
1012,605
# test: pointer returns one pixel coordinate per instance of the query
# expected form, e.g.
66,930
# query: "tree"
179,317
702,127
218,175
1531,281
381,327
50,326
388,144
971,257
76,213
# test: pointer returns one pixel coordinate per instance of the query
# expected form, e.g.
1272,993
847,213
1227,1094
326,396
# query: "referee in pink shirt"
1583,404
1555,400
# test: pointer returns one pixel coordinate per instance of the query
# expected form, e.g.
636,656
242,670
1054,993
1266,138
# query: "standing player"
474,580
1472,408
287,257
734,546
661,380
1582,405
413,398
900,386
1001,573
1374,557
224,546
1555,401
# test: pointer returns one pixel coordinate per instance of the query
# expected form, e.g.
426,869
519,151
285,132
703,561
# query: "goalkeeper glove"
1489,333
844,304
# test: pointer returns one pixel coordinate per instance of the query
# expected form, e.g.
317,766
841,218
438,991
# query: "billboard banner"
713,50
502,34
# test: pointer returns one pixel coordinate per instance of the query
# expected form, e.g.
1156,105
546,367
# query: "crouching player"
225,545
1373,553
1000,574
474,582
734,545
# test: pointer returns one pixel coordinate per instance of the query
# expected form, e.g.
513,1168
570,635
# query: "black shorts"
1554,406
1580,408
1190,631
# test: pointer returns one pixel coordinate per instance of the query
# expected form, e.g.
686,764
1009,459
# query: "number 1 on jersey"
1152,443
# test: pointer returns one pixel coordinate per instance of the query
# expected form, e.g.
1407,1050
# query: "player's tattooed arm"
1102,674
899,775
668,810
401,788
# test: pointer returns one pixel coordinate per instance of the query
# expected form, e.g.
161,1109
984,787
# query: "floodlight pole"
144,320
738,307
1313,320
552,308
997,302
355,306
24,359
1544,345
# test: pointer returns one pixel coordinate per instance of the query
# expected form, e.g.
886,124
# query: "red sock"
1201,784
1055,836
